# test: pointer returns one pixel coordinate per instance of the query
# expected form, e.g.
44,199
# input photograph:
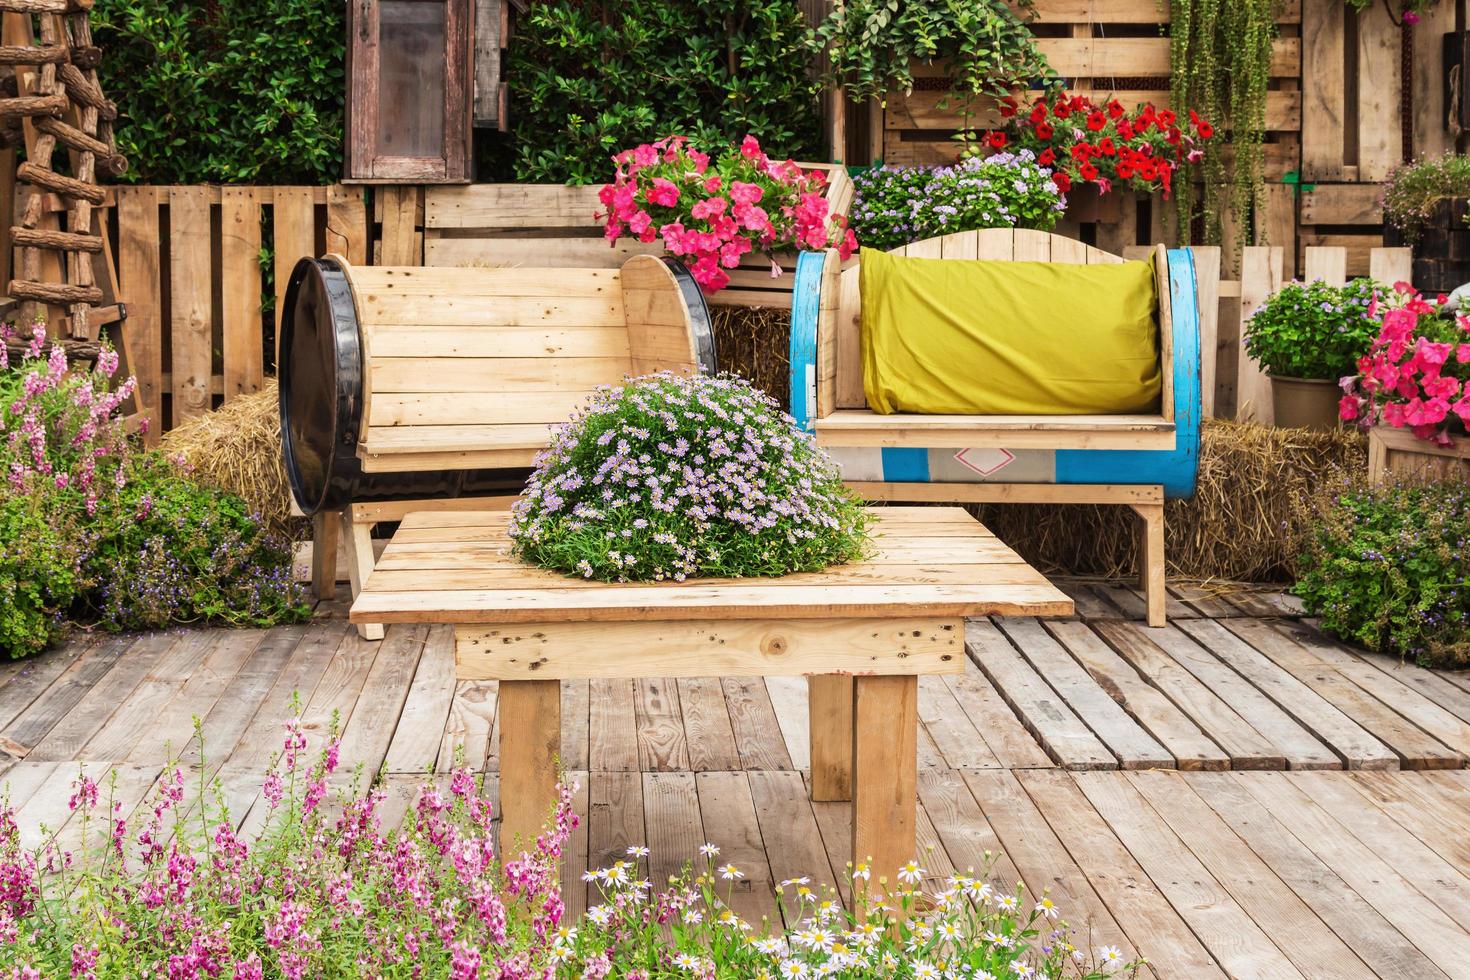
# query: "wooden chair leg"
324,526
1151,560
829,705
357,536
885,752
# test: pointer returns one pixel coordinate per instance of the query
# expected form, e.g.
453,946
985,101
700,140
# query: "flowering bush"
322,890
1416,376
710,214
668,477
93,527
1412,190
1104,144
1313,330
897,205
1385,567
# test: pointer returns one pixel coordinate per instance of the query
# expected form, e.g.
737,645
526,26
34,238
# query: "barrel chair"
433,388
1133,460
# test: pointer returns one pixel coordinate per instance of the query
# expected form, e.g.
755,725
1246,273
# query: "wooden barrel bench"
1135,460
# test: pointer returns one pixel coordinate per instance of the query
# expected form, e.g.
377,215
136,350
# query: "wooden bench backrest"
840,373
469,366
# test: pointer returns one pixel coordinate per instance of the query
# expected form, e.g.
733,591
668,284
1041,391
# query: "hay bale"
1257,490
755,342
238,449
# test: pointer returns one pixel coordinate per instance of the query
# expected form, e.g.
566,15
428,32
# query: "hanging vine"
1220,62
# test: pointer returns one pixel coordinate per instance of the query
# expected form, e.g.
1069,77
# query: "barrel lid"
320,375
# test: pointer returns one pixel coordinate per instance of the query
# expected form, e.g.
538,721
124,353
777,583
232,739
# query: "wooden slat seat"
863,427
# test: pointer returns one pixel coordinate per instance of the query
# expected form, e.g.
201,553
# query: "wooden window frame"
364,164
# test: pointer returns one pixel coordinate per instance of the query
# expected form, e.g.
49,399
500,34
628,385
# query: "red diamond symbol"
986,462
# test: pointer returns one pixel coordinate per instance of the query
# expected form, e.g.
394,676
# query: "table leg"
885,747
829,706
530,742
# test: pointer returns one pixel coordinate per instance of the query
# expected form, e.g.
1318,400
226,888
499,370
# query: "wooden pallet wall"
190,271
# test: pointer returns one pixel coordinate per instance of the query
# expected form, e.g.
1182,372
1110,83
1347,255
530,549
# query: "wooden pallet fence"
190,272
1262,274
551,225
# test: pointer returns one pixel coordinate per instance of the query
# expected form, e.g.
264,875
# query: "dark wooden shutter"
409,91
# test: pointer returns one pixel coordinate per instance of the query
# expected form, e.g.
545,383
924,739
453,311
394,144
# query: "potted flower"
670,478
893,206
1307,337
1426,204
709,213
1412,389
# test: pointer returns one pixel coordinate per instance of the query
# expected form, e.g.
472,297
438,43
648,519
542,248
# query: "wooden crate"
190,272
1397,454
551,225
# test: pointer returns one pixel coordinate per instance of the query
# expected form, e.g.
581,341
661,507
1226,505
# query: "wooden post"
1151,560
530,742
1260,277
324,527
829,705
357,539
885,744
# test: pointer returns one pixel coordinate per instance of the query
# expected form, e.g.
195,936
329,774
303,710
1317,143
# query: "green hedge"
226,92
590,78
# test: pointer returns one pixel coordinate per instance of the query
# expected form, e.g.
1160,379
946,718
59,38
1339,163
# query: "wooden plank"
1313,947
614,820
380,708
958,740
1324,106
172,733
1102,57
672,824
401,242
1155,928
710,737
140,280
1342,204
1134,747
753,720
1422,923
1064,736
467,730
661,742
227,721
790,702
1415,749
863,428
1260,277
1300,748
293,218
1248,749
964,833
240,283
1008,740
1327,263
576,719
1391,265
1436,818
1226,930
789,832
347,231
728,812
191,333
1350,741
73,722
694,648
575,851
1349,914
830,735
1427,89
1380,94
492,374
137,719
1207,279
421,726
1432,684
885,721
1191,748
613,726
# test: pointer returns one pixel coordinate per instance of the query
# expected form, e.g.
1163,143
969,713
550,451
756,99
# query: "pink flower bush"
179,889
710,214
1417,374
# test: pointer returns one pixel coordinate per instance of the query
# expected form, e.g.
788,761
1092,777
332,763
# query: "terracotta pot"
1305,403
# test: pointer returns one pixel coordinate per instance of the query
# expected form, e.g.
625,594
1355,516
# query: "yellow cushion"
961,337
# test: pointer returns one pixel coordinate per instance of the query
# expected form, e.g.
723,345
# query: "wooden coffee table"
861,634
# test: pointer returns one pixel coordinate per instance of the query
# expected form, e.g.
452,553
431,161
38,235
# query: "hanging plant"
1401,13
872,45
1220,57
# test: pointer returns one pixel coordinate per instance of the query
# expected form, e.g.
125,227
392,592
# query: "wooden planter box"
1398,452
1442,251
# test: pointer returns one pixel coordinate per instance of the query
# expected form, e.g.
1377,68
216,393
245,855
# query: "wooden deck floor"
1171,788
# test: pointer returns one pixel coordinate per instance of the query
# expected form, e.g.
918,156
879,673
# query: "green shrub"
41,555
1385,567
672,478
1313,330
592,78
226,92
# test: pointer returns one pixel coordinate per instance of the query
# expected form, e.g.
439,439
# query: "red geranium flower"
1096,121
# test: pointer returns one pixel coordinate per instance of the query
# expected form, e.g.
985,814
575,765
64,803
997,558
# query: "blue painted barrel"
1173,469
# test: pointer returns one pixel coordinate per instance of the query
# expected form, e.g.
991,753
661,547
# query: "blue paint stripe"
806,303
1175,469
906,465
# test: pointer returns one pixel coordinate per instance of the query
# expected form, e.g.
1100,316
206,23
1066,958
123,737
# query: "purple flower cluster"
669,477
